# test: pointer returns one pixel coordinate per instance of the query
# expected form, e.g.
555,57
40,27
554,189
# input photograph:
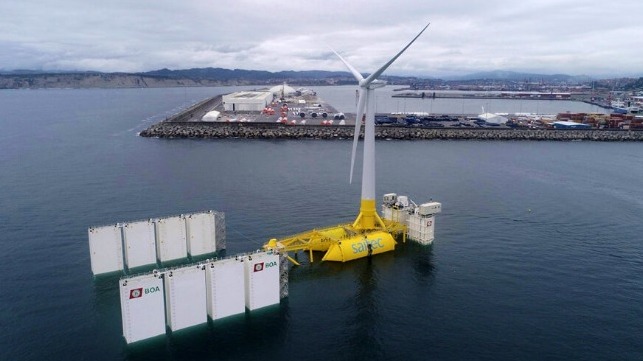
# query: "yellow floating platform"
360,246
342,242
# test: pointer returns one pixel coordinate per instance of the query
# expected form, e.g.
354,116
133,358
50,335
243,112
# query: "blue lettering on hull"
363,246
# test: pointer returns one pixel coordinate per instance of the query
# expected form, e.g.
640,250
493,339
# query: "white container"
225,288
421,229
185,297
142,308
261,280
105,249
171,240
430,208
386,212
140,243
402,202
200,230
390,198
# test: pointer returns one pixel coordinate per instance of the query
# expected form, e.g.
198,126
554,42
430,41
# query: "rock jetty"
278,131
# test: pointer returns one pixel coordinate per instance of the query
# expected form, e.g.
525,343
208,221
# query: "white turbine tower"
368,217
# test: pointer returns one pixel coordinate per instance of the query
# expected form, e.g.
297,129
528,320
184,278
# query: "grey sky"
600,38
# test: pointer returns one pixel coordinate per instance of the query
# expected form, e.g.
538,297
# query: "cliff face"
165,78
92,80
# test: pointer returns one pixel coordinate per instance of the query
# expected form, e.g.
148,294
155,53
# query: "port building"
247,101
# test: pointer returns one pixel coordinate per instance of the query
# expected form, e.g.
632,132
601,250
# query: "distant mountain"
17,79
168,78
516,76
634,85
40,72
241,74
26,79
20,72
97,80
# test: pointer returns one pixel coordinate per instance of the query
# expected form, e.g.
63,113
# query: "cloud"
572,36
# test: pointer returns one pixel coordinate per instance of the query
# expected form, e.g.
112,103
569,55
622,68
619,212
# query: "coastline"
188,124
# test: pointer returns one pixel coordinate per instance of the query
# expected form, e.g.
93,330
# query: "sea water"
538,252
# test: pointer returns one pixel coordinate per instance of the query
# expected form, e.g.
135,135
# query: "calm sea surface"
538,254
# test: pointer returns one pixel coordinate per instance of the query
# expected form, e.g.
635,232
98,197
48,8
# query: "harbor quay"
302,115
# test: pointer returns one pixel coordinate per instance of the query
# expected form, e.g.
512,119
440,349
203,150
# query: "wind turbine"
368,218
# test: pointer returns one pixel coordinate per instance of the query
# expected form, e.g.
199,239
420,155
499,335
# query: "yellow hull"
326,238
360,246
343,242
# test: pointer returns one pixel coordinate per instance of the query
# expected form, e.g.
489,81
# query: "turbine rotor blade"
358,124
356,73
385,66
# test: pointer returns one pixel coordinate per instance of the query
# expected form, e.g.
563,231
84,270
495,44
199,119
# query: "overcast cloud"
599,38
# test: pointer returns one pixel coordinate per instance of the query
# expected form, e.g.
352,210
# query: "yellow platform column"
368,219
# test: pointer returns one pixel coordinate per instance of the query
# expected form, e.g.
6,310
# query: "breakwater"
278,131
196,111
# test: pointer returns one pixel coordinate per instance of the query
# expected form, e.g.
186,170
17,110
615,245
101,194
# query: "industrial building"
247,101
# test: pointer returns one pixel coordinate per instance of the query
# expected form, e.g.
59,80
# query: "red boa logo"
135,293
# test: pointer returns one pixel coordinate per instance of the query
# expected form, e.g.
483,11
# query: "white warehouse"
247,101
